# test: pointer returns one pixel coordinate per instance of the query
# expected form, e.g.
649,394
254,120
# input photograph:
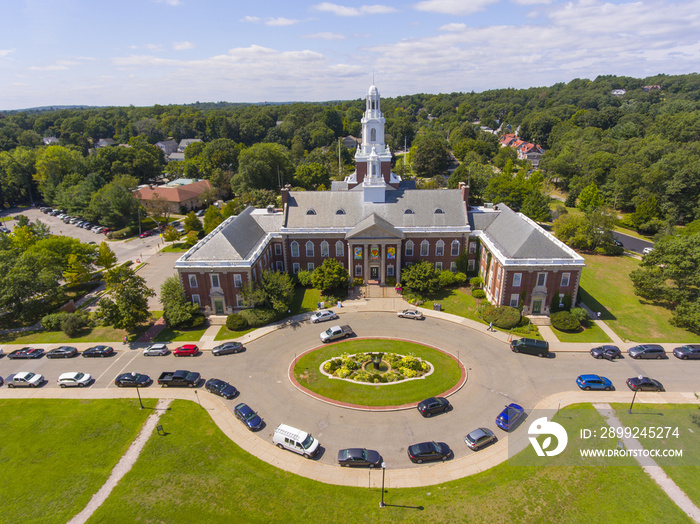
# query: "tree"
430,155
264,166
53,163
536,206
330,275
274,291
590,199
192,223
105,256
115,205
212,218
177,311
125,303
78,270
421,277
670,275
311,176
24,277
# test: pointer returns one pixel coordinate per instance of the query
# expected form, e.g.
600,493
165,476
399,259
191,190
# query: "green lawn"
447,374
606,287
305,300
592,333
226,334
195,474
180,335
175,247
56,454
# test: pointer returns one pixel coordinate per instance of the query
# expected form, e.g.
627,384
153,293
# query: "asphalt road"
631,243
496,377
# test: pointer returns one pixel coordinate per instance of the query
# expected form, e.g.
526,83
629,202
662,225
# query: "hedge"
478,293
503,317
564,321
236,322
257,317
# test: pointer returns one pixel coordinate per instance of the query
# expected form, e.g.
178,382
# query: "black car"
227,348
687,351
428,451
25,353
98,351
359,457
647,351
133,380
250,418
608,352
433,405
62,352
221,388
644,384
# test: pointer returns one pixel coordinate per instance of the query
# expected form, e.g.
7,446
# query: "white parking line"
113,363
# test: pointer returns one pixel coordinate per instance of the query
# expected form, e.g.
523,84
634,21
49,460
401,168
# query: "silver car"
156,350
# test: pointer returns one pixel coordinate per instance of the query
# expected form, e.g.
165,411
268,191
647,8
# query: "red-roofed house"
183,193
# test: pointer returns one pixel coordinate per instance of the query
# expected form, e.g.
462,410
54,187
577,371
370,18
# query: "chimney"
465,193
285,194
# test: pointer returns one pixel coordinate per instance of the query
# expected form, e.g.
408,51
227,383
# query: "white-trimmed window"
358,270
424,247
280,265
561,299
517,279
455,248
196,300
439,248
514,300
309,249
295,268
295,248
255,277
472,248
214,280
498,274
193,280
310,267
339,249
409,248
438,266
237,280
239,301
541,279
390,270
324,249
565,277
278,249
470,265
453,267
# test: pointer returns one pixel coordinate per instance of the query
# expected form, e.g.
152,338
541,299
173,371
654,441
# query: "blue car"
249,417
510,416
589,382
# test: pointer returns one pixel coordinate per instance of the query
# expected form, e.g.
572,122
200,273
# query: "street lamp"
381,504
629,411
139,394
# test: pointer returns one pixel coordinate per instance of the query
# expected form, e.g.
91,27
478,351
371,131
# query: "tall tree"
264,166
177,311
330,275
125,303
430,155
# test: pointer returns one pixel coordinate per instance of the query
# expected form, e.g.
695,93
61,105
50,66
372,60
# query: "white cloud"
453,27
6,52
341,10
154,48
169,2
454,7
325,36
251,19
280,21
532,2
59,65
182,46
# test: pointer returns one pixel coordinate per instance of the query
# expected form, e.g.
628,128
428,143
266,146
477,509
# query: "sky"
145,52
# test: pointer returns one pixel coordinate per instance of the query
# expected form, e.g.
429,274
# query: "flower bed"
360,368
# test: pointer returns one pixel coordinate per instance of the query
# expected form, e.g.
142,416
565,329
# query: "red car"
146,233
188,350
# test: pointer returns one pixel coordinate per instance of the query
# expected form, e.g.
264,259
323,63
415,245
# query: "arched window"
309,249
340,212
409,248
339,248
324,249
310,212
373,135
455,248
439,248
424,246
439,211
295,248
409,212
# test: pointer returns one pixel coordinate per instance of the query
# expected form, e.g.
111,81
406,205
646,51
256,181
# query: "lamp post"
381,504
634,397
139,394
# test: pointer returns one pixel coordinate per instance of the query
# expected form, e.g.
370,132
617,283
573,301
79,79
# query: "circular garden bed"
447,373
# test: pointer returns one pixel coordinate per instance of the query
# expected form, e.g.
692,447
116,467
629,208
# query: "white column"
382,264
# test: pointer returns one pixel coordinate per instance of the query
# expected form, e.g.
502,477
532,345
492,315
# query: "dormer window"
409,212
439,211
310,212
340,212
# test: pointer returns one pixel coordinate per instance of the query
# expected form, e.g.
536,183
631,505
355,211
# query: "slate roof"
327,206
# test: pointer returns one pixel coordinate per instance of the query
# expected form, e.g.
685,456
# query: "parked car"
510,416
607,351
336,332
180,378
411,313
156,350
647,351
530,346
641,383
187,350
99,351
24,379
428,451
322,316
479,438
1,381
132,379
74,379
432,405
227,348
618,243
250,418
359,457
62,352
296,440
25,353
588,382
221,388
647,250
689,351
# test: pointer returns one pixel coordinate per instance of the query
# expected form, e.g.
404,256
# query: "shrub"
53,321
503,317
460,278
358,281
257,317
410,362
236,322
479,293
343,372
476,282
581,315
651,227
391,281
128,231
196,321
74,323
304,278
571,199
332,365
446,278
564,321
362,376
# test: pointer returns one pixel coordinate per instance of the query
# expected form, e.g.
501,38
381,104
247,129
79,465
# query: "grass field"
447,374
590,334
180,335
195,474
56,454
606,287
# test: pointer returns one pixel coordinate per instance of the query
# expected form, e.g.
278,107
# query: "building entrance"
374,273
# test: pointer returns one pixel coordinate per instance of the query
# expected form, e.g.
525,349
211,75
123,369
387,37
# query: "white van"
296,440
